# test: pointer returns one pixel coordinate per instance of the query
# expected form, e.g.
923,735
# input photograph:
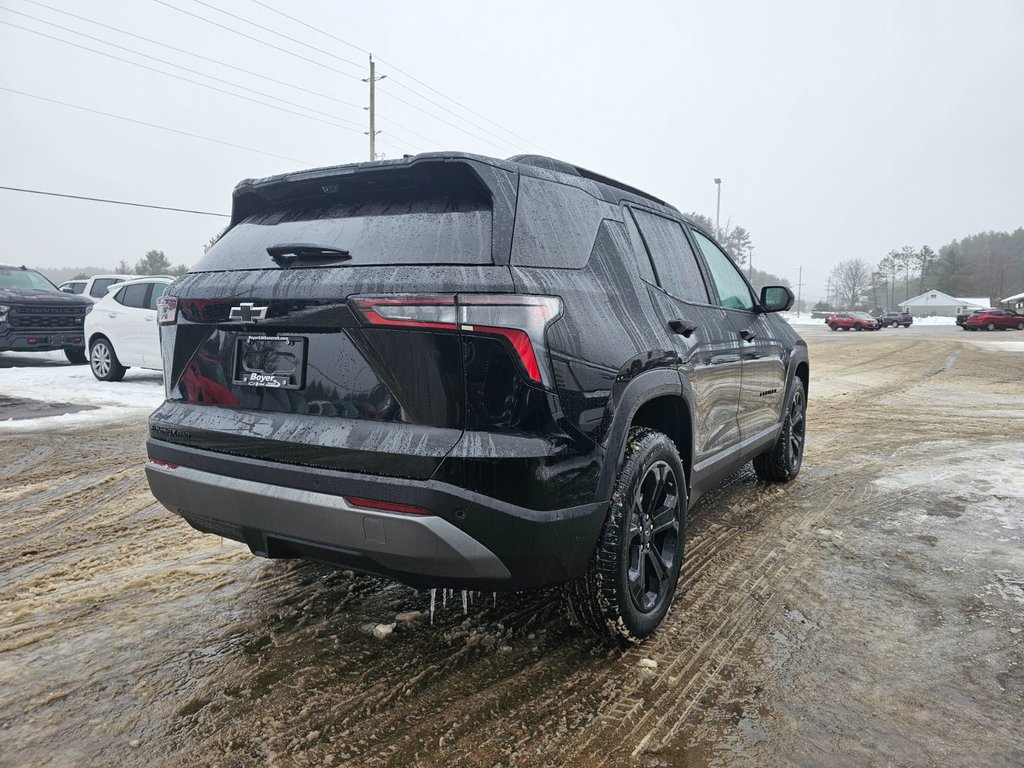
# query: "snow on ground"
802,319
48,377
934,321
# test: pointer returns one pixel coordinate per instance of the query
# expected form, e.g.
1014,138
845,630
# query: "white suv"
121,331
95,287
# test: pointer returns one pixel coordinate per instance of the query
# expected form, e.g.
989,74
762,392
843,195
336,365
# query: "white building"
1015,302
939,303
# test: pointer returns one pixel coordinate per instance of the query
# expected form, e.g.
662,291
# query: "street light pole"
718,210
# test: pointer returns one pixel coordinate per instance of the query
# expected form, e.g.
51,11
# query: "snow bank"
803,319
47,376
934,321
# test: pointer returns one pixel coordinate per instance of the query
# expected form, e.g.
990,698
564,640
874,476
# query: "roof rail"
551,164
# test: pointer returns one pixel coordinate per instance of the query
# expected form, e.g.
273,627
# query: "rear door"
699,331
125,321
762,353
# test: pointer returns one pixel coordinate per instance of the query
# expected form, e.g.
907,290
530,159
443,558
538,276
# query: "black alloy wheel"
629,586
652,539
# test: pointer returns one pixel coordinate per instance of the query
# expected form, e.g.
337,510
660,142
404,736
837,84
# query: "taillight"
520,319
167,310
385,506
421,311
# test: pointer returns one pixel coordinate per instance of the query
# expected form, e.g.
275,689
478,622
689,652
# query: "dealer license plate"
270,361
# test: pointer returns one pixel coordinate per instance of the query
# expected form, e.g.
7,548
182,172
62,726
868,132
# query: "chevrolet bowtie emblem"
246,312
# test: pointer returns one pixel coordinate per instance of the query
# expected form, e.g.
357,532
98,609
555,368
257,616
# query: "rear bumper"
278,510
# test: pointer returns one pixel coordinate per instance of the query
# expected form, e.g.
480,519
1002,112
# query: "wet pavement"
869,613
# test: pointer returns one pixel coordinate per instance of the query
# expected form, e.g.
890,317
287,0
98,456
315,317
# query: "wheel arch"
93,337
657,400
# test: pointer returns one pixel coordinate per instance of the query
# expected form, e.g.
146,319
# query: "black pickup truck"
36,317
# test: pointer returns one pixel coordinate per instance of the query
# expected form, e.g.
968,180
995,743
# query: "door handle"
682,327
111,314
149,319
747,335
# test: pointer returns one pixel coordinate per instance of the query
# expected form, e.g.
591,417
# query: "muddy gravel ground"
869,613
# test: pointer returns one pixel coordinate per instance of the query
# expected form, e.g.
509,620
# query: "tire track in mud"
30,459
210,657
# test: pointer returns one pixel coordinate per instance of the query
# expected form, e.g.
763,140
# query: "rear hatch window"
434,230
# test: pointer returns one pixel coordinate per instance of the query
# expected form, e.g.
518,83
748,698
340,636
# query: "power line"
279,34
256,39
179,77
402,72
178,66
113,202
446,122
313,61
196,55
153,125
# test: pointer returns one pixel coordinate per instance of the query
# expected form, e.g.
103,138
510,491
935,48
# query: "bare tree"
852,280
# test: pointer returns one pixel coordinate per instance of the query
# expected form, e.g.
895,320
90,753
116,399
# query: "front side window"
133,295
674,260
733,292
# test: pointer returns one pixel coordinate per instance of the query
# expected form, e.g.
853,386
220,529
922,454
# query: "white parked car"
95,287
121,331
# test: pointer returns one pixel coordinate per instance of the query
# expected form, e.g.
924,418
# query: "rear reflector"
163,464
385,506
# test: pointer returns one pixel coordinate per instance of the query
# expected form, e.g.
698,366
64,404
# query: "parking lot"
870,613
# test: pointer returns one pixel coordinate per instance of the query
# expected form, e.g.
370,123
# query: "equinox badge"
246,312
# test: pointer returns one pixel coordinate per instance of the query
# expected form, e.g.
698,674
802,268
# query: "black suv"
457,371
37,317
896,319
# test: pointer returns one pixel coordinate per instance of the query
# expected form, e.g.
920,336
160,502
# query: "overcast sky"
839,130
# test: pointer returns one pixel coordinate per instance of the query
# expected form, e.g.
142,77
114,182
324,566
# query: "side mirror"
776,298
67,289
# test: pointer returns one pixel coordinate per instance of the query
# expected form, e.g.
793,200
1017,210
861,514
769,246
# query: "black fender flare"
641,389
798,356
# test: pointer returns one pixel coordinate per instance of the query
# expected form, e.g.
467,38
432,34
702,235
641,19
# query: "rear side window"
448,230
78,288
556,224
733,292
673,258
99,287
133,295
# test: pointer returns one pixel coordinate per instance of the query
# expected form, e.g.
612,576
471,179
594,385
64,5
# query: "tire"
833,326
103,361
631,580
782,462
1020,326
76,356
991,326
859,327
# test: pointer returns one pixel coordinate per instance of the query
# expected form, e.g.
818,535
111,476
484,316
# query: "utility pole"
718,210
750,263
799,290
372,133
828,293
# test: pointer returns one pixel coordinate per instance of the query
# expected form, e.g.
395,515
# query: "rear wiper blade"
287,254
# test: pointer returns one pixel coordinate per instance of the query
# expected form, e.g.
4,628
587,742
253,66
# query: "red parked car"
990,319
856,321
